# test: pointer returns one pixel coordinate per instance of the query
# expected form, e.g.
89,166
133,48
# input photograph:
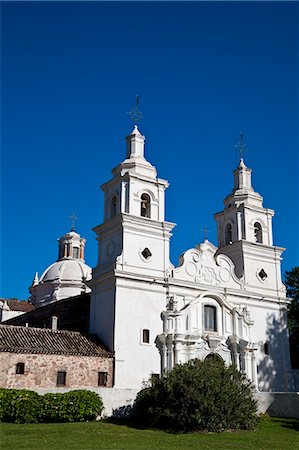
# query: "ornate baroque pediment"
202,267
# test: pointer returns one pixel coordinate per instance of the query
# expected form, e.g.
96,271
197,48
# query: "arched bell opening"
145,206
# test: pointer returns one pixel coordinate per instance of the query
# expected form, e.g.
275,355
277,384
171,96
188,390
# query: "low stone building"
41,358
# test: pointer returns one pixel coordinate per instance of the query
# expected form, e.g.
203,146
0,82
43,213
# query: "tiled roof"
18,305
18,339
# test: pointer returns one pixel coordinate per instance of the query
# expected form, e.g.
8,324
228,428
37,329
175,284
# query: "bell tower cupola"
244,217
244,229
134,213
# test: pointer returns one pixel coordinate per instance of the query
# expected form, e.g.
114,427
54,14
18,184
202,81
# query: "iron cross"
134,112
240,146
205,232
73,218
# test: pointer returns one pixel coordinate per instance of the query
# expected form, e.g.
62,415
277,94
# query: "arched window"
113,206
75,252
20,368
210,318
228,234
213,358
258,233
145,206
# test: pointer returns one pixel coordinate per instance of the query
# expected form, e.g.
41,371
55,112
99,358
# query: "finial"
73,218
35,280
240,146
134,112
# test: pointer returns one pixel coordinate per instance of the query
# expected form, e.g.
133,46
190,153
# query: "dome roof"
67,270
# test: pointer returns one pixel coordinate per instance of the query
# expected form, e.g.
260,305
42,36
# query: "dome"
66,277
67,270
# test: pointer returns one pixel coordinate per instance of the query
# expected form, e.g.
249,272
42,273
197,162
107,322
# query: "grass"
275,434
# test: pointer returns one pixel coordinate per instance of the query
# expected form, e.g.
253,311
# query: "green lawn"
280,434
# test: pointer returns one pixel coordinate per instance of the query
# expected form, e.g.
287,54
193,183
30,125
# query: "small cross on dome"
74,219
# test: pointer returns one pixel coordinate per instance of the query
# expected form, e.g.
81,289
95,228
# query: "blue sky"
204,71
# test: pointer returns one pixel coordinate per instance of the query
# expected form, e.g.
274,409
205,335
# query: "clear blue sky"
204,71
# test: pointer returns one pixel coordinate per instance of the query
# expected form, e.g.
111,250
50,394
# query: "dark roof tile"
43,340
18,305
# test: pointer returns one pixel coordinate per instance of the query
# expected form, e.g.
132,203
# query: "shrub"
51,407
24,406
199,395
73,406
20,406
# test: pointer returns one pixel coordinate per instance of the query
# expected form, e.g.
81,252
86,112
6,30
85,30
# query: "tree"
292,285
199,396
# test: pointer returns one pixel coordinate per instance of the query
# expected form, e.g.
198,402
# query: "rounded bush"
72,406
20,406
199,396
24,406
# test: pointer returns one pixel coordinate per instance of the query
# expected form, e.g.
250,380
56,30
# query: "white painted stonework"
65,278
227,300
6,313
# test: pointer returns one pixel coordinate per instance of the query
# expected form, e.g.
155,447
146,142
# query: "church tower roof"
243,191
242,177
244,217
135,162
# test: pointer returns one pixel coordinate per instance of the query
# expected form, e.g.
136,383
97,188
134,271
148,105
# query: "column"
254,369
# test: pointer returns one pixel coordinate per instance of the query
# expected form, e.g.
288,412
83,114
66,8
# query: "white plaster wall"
6,315
135,242
137,308
102,317
270,326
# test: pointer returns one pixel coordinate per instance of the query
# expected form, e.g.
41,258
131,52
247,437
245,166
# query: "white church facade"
227,301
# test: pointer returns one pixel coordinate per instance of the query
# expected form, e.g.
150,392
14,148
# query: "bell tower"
245,235
128,289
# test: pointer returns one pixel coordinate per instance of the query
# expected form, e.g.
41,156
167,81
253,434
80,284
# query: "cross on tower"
205,232
240,146
134,112
73,218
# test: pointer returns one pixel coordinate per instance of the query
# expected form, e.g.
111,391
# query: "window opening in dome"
76,252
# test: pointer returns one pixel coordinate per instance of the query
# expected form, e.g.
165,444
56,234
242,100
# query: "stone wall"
117,402
41,370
